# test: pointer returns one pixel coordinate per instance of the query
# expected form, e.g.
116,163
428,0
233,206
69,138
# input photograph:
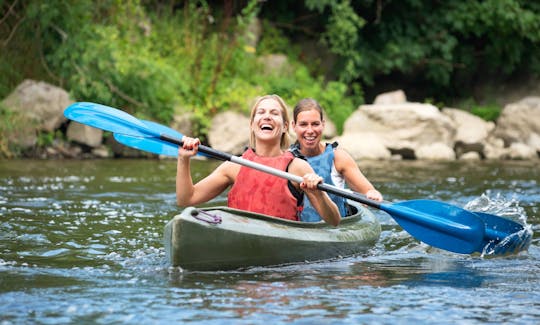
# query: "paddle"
502,236
153,145
436,223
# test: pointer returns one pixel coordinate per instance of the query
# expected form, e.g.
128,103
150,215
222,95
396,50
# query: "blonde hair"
284,142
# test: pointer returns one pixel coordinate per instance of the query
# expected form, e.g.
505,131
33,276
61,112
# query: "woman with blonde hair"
253,190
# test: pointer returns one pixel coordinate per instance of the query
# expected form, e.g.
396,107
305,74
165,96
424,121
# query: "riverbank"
391,128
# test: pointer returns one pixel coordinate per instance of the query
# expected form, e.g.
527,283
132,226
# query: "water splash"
509,209
498,205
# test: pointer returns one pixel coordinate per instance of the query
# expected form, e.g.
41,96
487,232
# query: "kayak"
222,238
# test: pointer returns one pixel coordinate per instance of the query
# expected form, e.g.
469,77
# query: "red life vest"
261,192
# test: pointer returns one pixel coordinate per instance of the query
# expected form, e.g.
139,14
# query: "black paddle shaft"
202,148
437,224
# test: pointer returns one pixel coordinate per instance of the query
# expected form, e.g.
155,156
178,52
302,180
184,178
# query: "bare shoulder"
342,159
229,170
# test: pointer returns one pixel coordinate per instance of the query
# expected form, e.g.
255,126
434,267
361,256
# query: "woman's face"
309,129
267,120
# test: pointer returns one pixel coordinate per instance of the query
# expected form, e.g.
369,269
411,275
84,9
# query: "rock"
403,127
393,97
67,150
521,151
330,130
84,134
519,121
183,123
471,155
364,145
41,102
101,152
23,135
435,151
471,132
494,149
534,142
36,107
122,151
470,129
229,132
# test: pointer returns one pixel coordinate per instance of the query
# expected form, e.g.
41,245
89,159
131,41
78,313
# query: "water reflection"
30,279
355,287
345,274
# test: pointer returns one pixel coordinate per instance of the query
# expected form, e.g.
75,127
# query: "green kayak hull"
221,238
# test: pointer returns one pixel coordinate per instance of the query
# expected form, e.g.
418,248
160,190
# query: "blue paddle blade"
139,134
436,223
162,129
504,236
154,145
108,119
439,224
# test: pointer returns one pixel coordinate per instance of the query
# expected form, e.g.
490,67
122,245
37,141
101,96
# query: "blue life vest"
322,165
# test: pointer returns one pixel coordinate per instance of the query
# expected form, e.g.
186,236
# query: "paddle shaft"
432,222
435,223
276,172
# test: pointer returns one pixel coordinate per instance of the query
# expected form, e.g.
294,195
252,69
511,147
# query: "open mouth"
267,127
310,140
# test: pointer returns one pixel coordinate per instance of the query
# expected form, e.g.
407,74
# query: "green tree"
156,60
447,45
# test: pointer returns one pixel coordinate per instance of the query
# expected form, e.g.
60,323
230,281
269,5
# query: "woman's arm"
322,203
346,166
208,188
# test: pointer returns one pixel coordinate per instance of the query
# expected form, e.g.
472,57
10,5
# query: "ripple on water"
92,252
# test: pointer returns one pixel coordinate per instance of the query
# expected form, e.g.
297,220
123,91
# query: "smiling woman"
253,190
269,117
334,164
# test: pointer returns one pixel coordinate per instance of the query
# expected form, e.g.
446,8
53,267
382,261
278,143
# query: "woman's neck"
267,150
311,152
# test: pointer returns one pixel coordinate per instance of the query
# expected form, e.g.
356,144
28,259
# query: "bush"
155,63
487,112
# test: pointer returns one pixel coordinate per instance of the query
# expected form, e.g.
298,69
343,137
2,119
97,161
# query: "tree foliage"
157,58
448,44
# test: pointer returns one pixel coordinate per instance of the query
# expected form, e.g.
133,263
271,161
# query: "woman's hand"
189,148
374,195
310,181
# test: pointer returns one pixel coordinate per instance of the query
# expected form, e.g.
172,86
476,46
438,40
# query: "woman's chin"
311,144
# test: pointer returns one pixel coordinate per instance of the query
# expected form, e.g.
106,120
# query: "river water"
81,242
